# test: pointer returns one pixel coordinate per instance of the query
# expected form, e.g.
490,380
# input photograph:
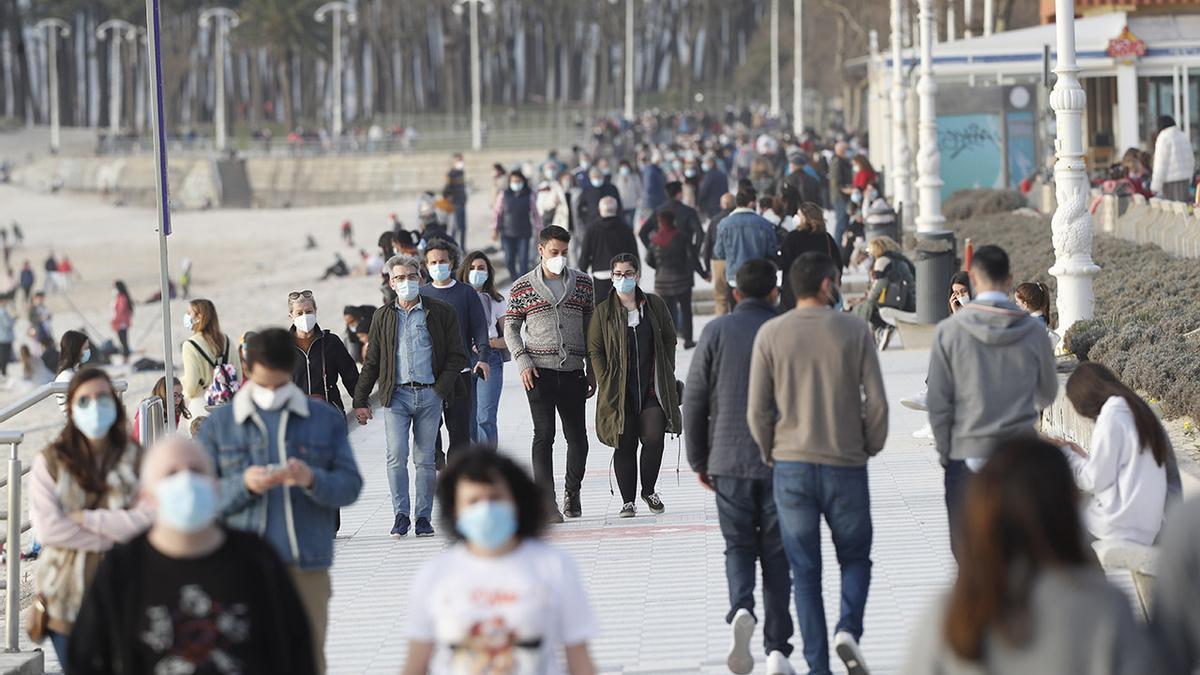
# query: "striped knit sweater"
555,335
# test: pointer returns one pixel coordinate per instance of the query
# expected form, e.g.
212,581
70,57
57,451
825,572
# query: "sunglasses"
295,295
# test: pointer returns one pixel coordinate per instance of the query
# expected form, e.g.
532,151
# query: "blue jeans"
418,410
630,216
750,526
516,256
803,493
460,225
487,402
60,641
841,210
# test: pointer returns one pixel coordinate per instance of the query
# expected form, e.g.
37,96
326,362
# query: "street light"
935,244
628,59
798,67
224,19
776,106
54,29
476,83
117,30
338,9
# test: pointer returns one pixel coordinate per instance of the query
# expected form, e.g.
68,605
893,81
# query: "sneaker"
777,664
740,660
925,433
654,502
401,527
848,651
424,529
571,506
916,402
627,511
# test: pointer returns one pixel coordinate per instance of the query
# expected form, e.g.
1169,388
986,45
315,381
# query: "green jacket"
607,345
379,365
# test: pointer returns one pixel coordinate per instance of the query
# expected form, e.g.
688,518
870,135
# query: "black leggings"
123,336
650,427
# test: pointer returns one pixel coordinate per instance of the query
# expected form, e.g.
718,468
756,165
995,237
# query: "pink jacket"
101,528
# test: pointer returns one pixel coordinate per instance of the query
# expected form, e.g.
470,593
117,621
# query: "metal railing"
152,423
16,525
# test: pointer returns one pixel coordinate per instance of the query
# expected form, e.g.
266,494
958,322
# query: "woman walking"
81,494
122,315
477,270
323,357
809,235
206,353
675,257
75,349
516,221
631,342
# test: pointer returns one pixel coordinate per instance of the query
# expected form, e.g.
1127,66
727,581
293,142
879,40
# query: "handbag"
37,619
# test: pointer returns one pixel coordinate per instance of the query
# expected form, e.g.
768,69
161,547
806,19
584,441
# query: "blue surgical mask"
624,171
96,418
188,323
407,290
690,173
516,187
85,356
597,182
439,272
477,278
187,502
489,525
625,285
856,197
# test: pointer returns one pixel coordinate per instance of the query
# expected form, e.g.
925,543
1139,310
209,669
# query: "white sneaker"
740,660
848,651
777,664
916,402
925,433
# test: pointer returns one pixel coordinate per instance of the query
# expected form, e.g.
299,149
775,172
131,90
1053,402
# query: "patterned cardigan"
555,335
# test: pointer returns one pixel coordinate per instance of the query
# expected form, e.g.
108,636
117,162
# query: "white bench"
913,334
1139,560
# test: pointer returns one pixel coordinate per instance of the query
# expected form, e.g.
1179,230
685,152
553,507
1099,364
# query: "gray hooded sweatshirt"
991,372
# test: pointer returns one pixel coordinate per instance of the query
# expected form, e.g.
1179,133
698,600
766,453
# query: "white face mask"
557,264
269,399
305,322
188,323
407,290
439,272
477,278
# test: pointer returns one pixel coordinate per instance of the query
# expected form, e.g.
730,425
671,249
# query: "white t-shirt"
514,614
493,311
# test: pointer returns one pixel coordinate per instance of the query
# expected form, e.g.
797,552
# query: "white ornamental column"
54,28
1071,226
117,30
776,106
901,155
934,244
339,10
968,17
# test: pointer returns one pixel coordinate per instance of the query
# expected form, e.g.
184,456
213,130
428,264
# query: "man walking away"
841,186
716,266
553,305
713,185
456,192
991,372
285,467
1174,162
744,235
818,411
604,240
415,353
727,460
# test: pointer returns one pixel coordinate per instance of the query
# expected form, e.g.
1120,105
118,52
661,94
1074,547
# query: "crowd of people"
214,552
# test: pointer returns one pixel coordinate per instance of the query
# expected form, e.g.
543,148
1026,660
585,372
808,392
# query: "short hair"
746,197
1165,121
483,465
608,207
756,278
674,188
442,245
402,261
810,271
626,258
272,348
992,263
404,239
554,233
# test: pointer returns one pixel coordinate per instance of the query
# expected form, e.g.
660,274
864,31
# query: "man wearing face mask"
456,192
554,304
714,184
285,467
459,413
189,571
587,210
415,352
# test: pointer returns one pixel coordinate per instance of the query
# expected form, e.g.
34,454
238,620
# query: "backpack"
224,383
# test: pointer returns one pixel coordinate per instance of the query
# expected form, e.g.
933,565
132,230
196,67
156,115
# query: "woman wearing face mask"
631,341
629,186
205,349
809,235
496,515
477,271
322,357
516,222
81,495
183,416
188,562
552,201
74,350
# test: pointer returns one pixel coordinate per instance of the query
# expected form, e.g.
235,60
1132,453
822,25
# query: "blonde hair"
206,323
880,245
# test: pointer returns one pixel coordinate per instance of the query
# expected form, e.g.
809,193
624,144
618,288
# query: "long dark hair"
160,390
70,350
77,453
1036,295
1092,384
1021,517
489,286
123,291
483,465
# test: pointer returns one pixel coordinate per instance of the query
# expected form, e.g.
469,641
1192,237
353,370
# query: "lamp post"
1071,226
117,30
54,29
338,10
901,155
968,17
476,82
989,16
628,65
798,67
935,245
776,107
222,18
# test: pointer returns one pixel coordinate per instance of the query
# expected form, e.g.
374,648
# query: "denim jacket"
744,235
314,431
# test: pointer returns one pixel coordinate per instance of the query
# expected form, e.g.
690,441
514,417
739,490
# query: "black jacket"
589,203
379,363
797,243
710,237
318,370
608,237
713,185
808,186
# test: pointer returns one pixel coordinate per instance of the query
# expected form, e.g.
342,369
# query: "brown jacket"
816,391
379,364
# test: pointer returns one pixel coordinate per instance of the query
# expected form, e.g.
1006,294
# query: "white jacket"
1129,490
1173,158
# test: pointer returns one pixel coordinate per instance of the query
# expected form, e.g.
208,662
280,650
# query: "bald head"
608,207
171,455
728,201
840,148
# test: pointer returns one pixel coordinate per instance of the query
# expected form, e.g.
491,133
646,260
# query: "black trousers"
650,427
123,336
681,308
6,349
458,415
564,392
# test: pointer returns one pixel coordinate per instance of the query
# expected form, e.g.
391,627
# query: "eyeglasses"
624,275
296,295
415,276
